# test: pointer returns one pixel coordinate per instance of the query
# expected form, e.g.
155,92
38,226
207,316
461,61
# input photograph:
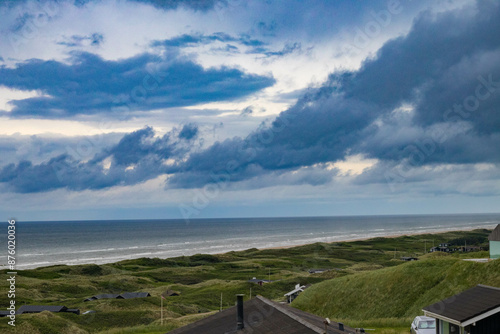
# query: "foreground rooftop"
467,307
262,316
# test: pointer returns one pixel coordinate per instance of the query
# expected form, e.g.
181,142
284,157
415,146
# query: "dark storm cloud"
92,85
256,46
202,5
186,40
441,143
302,136
430,69
37,149
436,65
450,77
399,108
189,131
138,157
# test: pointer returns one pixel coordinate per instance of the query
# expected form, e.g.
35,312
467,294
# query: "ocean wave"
246,236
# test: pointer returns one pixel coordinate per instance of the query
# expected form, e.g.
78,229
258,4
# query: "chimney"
239,307
341,326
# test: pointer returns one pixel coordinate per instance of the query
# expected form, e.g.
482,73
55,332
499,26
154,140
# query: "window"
427,324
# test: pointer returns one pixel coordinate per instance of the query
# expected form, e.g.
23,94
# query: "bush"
90,270
204,259
39,274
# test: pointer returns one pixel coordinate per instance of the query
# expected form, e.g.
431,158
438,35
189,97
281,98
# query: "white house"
290,296
494,239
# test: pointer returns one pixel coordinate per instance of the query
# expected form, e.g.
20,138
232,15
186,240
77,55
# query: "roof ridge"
489,287
291,315
495,234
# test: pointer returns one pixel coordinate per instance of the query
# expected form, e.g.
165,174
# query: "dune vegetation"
367,285
392,297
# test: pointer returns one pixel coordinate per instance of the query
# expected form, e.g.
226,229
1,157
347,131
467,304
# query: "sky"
130,109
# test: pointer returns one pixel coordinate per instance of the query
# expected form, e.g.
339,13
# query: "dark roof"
466,305
102,296
262,316
312,271
256,280
125,295
169,293
495,235
106,295
40,308
4,313
129,295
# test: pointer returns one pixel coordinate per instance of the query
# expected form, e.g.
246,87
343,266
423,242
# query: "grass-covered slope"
396,292
201,280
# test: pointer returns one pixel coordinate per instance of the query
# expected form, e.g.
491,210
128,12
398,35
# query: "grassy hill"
397,294
202,278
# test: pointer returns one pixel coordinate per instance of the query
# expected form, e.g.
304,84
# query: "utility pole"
425,244
161,299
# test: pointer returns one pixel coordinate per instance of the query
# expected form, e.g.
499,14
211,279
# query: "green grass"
367,269
398,292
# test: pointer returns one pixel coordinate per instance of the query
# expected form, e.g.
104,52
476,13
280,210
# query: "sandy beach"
114,241
396,235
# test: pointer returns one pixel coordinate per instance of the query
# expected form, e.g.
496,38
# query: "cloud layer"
398,107
137,157
426,104
89,85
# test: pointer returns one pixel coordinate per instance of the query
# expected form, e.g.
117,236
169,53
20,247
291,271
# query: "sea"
47,243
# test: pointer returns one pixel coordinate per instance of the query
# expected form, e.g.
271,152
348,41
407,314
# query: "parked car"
423,325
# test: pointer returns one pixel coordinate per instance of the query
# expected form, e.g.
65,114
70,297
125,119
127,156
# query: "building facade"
474,311
494,239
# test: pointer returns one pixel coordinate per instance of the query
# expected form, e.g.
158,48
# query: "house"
474,311
259,281
290,296
130,295
318,271
262,316
409,258
40,308
441,248
494,239
103,296
466,249
170,293
125,295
